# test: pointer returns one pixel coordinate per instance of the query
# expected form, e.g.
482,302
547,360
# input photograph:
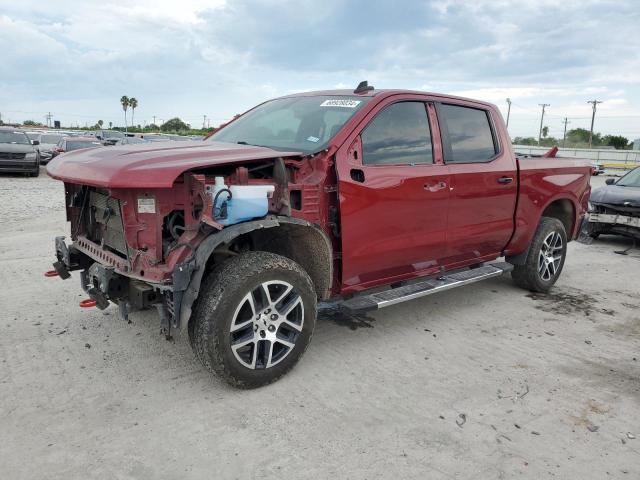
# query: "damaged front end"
618,219
134,247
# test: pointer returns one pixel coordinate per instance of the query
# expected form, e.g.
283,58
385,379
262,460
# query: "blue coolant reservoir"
246,202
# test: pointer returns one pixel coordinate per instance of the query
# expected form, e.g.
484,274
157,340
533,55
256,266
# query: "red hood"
150,165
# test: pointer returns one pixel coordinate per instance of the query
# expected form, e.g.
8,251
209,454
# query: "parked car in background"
47,143
597,170
615,208
109,137
68,144
18,153
131,141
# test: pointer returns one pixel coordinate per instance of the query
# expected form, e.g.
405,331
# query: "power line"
593,117
564,135
543,105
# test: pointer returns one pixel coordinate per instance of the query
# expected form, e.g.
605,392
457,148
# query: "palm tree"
124,101
133,103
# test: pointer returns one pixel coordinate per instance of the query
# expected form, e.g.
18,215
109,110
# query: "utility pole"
154,120
564,137
593,117
543,105
508,111
204,122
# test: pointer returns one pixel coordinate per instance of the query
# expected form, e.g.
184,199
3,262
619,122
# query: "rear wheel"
254,318
545,259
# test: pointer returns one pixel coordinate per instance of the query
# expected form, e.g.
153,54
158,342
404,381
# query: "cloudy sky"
189,58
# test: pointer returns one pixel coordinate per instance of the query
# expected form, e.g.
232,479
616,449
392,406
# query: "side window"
470,139
398,135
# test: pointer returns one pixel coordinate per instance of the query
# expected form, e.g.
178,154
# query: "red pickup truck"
367,197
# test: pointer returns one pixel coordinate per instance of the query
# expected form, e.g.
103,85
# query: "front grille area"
12,156
609,209
103,222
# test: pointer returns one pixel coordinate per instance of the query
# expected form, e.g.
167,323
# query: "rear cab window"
467,134
398,135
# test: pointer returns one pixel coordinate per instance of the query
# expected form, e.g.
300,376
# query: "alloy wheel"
550,256
266,325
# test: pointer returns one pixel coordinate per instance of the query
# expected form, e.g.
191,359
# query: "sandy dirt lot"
483,382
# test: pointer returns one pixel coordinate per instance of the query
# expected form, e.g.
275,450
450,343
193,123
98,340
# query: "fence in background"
607,158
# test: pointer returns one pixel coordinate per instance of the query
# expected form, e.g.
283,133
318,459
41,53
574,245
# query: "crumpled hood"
155,165
16,148
615,195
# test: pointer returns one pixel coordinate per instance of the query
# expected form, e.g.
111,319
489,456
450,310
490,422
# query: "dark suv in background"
17,152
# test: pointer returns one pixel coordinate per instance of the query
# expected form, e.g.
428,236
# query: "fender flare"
187,277
521,258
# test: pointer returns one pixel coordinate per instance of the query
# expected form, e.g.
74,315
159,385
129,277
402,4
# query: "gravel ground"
483,382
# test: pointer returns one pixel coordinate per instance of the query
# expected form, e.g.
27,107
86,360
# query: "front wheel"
254,318
545,259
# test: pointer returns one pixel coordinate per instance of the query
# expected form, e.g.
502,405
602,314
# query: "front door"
393,198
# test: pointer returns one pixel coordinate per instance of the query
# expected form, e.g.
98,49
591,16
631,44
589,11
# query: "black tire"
536,275
35,173
231,296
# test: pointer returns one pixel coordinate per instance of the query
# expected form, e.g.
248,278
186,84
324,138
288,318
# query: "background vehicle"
130,141
18,153
69,144
109,137
47,142
615,208
366,197
597,170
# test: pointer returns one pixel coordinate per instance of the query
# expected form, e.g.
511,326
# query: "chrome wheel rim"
266,325
550,256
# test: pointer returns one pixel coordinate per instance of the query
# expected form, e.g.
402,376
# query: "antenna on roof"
363,87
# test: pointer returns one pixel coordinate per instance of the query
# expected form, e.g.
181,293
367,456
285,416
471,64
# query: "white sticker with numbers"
146,205
341,103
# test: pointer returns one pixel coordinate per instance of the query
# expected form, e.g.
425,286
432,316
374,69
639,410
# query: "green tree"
124,101
31,123
174,125
133,103
617,141
545,131
525,141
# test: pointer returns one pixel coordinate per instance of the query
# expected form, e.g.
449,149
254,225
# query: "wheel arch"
564,210
290,237
561,208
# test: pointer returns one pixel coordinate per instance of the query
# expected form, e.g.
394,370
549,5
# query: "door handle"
357,175
505,180
434,187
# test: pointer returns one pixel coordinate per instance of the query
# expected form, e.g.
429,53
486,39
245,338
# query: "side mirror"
610,181
35,142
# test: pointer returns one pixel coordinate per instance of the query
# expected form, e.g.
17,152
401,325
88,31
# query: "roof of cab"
384,93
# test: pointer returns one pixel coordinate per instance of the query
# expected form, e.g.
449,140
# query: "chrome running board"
375,301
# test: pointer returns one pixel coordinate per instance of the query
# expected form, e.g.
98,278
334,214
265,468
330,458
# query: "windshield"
631,179
50,138
296,123
76,145
9,136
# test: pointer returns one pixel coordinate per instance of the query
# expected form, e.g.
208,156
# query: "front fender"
195,268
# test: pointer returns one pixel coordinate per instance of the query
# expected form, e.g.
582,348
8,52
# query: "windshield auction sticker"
341,103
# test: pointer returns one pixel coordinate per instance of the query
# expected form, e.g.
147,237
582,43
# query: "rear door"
483,182
394,194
